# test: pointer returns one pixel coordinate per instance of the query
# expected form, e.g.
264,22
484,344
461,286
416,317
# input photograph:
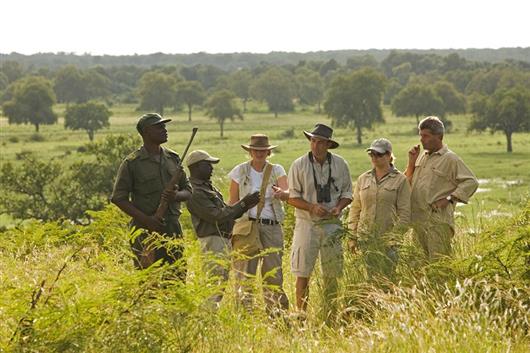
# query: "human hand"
170,195
318,210
250,200
153,224
440,204
278,193
414,153
335,211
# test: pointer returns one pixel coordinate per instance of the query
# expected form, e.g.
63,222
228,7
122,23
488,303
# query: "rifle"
162,207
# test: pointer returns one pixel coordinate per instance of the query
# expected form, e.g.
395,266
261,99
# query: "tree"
508,110
310,87
32,102
275,86
453,101
190,93
355,100
156,91
50,190
90,116
221,106
417,100
240,81
12,69
69,86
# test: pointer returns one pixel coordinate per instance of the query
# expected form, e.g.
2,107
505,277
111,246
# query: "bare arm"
234,193
148,222
414,153
281,189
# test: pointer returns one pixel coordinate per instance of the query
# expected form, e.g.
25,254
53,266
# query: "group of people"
318,185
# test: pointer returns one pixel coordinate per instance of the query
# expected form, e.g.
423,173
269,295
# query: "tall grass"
71,288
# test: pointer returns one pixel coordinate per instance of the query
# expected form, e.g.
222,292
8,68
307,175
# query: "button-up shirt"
436,176
142,178
380,205
302,184
210,215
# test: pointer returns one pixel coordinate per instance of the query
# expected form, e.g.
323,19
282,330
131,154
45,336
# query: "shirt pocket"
389,194
148,183
440,178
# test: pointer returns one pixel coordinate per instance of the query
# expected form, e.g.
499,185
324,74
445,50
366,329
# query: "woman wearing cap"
381,205
246,178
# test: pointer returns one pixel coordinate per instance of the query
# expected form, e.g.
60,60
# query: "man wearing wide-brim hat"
319,188
140,184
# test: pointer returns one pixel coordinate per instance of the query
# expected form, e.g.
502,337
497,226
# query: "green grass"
504,175
71,288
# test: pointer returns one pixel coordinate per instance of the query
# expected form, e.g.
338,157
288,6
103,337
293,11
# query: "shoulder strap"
264,182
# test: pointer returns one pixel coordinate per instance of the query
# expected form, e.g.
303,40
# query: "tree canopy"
31,103
221,106
507,110
417,100
90,116
275,86
190,93
355,100
156,91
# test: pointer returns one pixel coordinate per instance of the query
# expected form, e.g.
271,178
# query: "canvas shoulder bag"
245,234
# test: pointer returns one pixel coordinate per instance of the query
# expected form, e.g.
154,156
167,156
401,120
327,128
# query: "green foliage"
453,101
355,100
51,191
189,93
90,116
310,87
418,100
239,82
12,69
75,85
67,287
275,87
156,91
507,110
32,102
221,106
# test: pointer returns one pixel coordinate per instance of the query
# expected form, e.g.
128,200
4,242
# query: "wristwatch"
450,199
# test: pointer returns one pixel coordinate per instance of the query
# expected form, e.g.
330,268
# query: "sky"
118,27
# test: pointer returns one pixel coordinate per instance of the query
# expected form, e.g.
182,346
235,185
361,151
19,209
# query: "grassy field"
72,288
504,176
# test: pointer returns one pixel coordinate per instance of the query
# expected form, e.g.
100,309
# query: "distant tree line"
351,91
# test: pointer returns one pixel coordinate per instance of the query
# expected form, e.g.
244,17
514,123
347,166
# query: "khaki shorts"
309,241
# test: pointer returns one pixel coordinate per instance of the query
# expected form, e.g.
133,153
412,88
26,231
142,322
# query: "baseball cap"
150,119
380,145
200,155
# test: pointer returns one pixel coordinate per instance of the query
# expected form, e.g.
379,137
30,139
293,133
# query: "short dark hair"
432,123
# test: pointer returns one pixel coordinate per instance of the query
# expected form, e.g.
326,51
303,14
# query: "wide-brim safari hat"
259,142
324,132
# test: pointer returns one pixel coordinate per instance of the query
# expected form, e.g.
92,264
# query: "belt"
268,222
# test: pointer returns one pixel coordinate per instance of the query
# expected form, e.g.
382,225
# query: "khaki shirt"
302,185
379,206
436,176
210,215
142,178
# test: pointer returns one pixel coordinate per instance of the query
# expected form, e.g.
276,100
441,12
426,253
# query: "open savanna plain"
72,288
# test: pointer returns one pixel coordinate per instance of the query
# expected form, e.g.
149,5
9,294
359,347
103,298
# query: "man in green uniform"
140,185
212,218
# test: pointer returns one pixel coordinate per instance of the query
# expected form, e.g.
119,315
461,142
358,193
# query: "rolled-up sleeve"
466,182
346,189
201,206
295,186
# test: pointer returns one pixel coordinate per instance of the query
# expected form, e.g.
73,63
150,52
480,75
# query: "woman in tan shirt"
380,207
